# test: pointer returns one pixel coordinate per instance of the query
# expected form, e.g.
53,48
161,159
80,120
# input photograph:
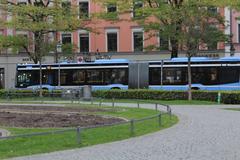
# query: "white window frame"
89,40
137,30
111,30
25,1
61,33
106,9
238,32
133,9
89,9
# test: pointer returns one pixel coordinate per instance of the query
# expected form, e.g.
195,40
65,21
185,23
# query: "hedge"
232,97
27,93
226,97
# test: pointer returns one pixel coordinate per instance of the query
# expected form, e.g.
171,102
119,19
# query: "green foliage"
68,48
226,97
28,93
40,18
15,42
186,23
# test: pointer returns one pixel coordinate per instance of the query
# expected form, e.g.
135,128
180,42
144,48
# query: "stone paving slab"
203,133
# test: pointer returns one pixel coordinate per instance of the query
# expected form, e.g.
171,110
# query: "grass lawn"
68,140
170,102
57,100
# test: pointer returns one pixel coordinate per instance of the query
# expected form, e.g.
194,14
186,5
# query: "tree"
201,27
188,24
160,17
41,18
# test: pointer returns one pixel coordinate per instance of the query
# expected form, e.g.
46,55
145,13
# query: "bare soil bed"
52,117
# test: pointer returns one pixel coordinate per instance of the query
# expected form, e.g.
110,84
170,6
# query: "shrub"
226,97
27,94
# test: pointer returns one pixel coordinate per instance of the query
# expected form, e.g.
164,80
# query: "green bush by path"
227,97
231,97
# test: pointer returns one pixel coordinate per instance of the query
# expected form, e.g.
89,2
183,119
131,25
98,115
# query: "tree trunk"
40,78
39,39
174,44
189,78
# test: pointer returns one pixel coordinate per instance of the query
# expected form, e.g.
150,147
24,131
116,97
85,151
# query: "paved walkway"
203,133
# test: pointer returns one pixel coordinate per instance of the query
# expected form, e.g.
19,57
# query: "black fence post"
160,120
72,96
170,114
138,104
91,100
113,103
78,135
156,107
100,102
132,127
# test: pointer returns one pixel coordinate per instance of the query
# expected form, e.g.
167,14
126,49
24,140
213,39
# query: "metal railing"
100,102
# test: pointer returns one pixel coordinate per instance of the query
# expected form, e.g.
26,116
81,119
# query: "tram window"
116,76
95,76
155,76
229,75
78,77
27,78
174,76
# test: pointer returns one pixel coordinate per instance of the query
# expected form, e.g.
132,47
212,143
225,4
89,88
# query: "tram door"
2,77
138,75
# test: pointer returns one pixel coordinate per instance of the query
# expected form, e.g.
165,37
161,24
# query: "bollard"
219,98
160,120
138,104
170,114
78,135
132,127
100,103
113,104
91,100
79,97
72,97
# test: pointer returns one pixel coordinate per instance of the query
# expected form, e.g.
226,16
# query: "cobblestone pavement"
203,133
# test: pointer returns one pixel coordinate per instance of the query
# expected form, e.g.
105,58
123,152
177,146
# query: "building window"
137,41
22,3
66,38
84,42
111,8
212,10
136,6
83,10
239,33
164,43
66,7
112,42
